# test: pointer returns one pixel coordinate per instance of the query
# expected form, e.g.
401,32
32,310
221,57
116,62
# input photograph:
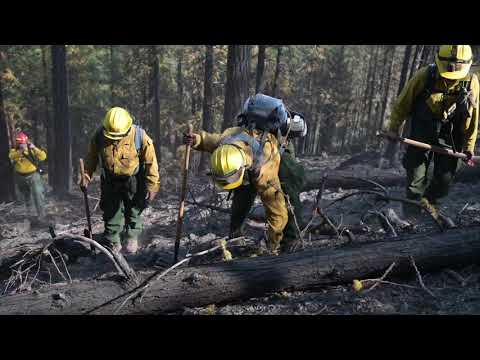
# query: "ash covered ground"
456,290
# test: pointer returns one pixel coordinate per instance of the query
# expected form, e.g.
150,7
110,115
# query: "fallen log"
348,180
254,277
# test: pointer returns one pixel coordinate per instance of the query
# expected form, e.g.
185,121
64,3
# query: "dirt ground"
456,291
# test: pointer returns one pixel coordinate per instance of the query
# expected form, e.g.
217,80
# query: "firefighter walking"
442,101
25,158
130,180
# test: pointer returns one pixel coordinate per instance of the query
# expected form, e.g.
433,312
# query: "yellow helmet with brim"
117,123
454,61
228,166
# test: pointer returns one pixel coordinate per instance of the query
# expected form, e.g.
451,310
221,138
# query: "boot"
272,249
289,245
411,212
116,247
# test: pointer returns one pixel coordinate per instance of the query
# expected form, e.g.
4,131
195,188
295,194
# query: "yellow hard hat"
454,61
228,166
117,123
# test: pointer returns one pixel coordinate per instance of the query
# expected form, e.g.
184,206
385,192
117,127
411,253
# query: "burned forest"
239,180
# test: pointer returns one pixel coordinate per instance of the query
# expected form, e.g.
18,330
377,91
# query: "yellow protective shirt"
120,158
441,98
267,183
22,164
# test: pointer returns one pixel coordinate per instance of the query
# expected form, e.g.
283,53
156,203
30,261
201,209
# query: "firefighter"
25,159
289,125
129,177
264,120
442,101
240,162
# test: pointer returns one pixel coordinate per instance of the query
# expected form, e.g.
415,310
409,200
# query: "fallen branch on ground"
141,289
420,279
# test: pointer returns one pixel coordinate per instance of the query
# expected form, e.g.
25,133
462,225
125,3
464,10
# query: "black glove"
189,139
469,160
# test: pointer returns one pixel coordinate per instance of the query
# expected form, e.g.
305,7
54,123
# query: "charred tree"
7,190
404,72
157,131
236,88
207,113
48,120
260,81
414,67
63,143
180,101
113,75
275,88
387,86
371,97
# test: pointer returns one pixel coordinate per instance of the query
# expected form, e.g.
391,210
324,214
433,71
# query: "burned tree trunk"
207,114
349,180
387,86
404,73
63,143
155,63
48,121
260,83
113,75
254,277
236,88
7,190
275,89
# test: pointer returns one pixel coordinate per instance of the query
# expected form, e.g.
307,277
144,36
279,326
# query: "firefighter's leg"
242,202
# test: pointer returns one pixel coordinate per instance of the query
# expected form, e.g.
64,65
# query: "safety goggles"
224,180
454,64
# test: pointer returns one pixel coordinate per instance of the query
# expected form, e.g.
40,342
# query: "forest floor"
457,291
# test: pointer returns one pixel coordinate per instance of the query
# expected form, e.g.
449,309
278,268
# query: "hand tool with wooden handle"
181,209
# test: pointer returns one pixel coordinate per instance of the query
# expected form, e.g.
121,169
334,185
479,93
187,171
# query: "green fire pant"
30,188
292,178
122,203
416,163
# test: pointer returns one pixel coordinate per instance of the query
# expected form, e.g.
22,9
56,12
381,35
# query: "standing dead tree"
236,88
7,192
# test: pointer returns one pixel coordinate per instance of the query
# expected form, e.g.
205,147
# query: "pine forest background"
59,94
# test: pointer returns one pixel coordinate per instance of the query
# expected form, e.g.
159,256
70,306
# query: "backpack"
263,113
34,161
100,141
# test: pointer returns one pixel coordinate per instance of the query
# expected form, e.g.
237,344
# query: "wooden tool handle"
425,146
181,209
187,152
82,168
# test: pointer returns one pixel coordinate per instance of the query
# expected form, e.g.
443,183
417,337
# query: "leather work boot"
132,246
117,247
289,245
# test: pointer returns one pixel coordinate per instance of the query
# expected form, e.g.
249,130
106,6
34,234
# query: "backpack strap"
256,146
138,146
430,84
99,142
32,158
138,138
